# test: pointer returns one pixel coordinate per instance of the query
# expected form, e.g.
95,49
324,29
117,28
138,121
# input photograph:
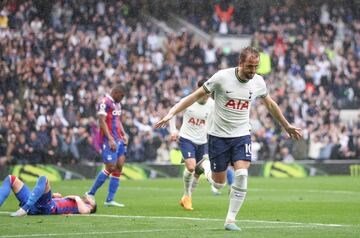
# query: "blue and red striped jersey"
64,206
112,110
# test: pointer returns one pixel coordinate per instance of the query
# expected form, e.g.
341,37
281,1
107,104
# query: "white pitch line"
252,189
102,232
202,219
306,190
214,219
206,219
145,231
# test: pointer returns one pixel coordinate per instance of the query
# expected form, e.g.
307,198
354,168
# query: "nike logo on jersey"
226,91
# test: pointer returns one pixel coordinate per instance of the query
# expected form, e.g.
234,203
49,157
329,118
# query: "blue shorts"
191,150
223,151
110,156
41,207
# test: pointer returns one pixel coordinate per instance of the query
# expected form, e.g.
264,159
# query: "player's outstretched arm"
184,103
274,109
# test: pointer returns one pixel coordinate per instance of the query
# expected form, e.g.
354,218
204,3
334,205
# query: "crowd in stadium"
55,65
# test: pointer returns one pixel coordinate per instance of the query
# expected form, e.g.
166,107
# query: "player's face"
118,96
249,66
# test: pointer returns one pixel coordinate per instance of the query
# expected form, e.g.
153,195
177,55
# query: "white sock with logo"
194,184
188,180
237,194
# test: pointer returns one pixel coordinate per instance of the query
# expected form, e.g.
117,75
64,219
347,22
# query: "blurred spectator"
163,154
224,11
4,20
286,157
35,149
136,151
151,143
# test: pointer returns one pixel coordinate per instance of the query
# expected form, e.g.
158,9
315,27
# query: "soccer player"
229,135
113,143
192,141
40,201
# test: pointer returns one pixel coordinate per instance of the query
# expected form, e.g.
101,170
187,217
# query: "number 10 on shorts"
247,150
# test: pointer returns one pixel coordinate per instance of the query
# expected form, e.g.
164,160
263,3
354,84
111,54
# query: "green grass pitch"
309,207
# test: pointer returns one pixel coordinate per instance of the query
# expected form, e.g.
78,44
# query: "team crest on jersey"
250,93
109,157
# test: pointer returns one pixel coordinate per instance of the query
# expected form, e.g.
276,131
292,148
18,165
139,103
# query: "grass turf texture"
309,207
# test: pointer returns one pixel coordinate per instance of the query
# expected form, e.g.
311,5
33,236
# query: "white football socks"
188,180
237,194
194,184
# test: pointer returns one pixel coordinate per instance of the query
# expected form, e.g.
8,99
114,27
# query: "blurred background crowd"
58,57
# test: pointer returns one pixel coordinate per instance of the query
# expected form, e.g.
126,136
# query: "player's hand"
126,139
163,121
174,135
57,195
112,144
294,132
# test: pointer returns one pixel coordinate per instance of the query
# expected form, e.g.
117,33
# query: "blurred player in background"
40,201
193,142
113,143
229,135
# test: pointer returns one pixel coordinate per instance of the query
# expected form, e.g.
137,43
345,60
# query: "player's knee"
191,169
42,179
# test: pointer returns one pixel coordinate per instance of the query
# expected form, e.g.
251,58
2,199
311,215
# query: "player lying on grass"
40,201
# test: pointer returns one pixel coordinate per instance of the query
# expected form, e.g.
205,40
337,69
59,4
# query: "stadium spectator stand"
57,58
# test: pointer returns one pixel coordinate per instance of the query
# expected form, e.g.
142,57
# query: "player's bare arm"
173,130
82,207
274,109
184,103
105,129
57,195
124,135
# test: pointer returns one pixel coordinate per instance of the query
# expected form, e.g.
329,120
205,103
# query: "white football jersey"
195,122
232,102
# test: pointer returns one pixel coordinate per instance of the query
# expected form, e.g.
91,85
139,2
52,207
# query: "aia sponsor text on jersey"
196,121
237,104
